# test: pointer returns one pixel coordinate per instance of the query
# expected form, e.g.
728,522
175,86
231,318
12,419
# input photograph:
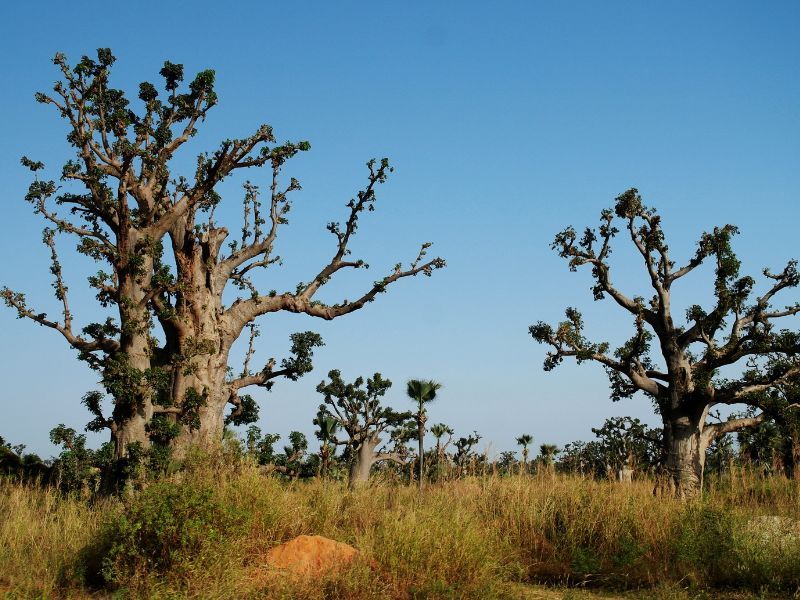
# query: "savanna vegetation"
204,534
188,495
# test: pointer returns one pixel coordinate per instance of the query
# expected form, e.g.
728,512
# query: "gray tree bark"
364,458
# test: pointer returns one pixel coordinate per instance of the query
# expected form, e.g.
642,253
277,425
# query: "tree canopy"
740,328
164,263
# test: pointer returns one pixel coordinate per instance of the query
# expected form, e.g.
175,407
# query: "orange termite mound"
310,555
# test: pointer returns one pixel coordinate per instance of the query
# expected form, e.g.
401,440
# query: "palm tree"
525,440
546,454
327,435
422,392
439,431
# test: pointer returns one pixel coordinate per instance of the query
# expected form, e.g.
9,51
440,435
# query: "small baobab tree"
422,392
583,458
687,384
507,462
464,455
358,411
627,444
261,447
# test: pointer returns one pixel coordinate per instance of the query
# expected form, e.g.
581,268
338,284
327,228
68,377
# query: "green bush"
733,549
171,528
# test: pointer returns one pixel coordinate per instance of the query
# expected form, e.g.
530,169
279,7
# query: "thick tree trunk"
131,431
683,414
363,459
625,475
203,340
685,454
132,414
205,423
133,404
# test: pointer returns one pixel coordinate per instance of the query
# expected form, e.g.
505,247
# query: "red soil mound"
310,555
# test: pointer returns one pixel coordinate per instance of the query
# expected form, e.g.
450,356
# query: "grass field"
205,536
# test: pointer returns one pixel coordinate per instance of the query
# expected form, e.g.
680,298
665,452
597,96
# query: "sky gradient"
506,122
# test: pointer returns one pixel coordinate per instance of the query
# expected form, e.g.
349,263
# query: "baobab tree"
358,412
584,458
464,454
687,385
525,440
133,212
421,392
627,444
779,433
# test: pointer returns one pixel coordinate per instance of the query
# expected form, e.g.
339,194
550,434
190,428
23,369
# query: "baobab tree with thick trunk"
687,385
197,311
165,260
358,412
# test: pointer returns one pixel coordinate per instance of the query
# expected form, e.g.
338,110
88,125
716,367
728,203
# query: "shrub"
736,549
169,528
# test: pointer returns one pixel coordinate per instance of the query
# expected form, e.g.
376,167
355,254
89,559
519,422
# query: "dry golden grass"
41,532
477,538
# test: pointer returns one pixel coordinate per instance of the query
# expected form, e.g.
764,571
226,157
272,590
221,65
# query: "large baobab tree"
165,263
358,411
687,384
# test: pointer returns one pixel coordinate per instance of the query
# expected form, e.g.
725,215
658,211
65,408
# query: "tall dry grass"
41,533
476,538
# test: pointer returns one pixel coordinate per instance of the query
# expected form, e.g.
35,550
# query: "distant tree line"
623,450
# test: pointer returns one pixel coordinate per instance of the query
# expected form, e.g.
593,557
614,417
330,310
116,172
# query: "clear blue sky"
506,122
